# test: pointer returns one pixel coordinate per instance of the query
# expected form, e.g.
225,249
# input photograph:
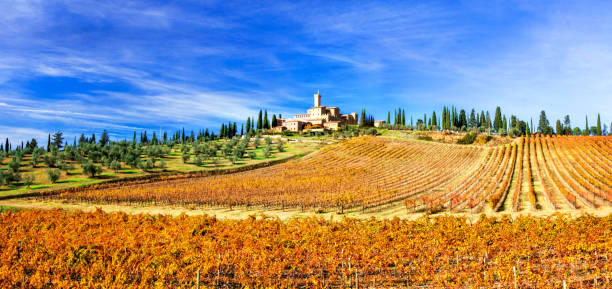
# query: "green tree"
104,138
543,124
598,125
28,181
58,139
90,169
472,122
115,165
53,175
274,124
266,151
567,128
483,122
388,117
266,124
497,122
185,157
48,143
586,127
559,128
434,119
462,120
36,155
403,117
248,124
260,121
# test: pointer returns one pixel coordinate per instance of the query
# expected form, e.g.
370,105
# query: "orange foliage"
57,249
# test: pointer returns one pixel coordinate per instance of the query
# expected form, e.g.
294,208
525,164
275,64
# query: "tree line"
453,119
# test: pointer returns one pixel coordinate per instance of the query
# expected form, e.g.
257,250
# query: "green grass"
8,208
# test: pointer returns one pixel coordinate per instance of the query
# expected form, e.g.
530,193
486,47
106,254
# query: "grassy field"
174,165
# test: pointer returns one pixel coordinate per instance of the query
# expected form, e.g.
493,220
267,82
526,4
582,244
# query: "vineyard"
568,172
59,249
372,173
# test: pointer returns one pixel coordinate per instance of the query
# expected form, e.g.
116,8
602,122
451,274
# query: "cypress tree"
48,143
505,123
559,128
266,124
482,122
443,117
434,120
248,124
462,120
104,138
133,140
403,117
543,123
497,122
586,129
182,136
274,124
260,121
222,130
396,119
388,117
472,121
6,145
567,125
598,125
242,129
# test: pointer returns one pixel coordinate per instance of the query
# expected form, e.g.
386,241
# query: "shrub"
483,139
371,131
53,175
280,147
252,154
469,138
28,181
424,137
198,160
186,157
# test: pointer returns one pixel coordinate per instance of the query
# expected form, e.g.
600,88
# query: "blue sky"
82,66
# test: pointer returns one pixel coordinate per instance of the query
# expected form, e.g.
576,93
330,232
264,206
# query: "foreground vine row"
68,249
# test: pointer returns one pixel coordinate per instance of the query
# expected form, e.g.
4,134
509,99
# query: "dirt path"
225,213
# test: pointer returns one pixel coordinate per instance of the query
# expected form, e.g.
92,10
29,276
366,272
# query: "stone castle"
317,118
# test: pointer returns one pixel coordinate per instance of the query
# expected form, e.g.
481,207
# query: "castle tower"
317,99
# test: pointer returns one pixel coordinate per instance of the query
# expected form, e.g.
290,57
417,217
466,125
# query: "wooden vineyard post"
198,279
515,281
